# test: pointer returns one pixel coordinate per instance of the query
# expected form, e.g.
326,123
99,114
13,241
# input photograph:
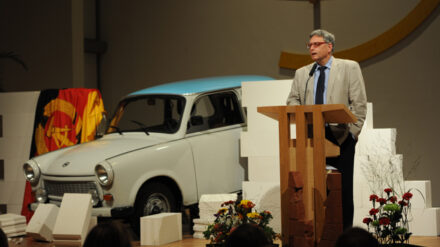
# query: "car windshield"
150,113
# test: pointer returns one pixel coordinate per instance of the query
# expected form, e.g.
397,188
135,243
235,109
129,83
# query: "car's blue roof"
200,85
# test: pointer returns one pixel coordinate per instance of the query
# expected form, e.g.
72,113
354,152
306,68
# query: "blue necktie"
319,96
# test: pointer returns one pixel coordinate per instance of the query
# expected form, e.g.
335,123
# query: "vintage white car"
165,147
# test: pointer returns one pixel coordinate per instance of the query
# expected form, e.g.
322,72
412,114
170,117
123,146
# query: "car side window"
214,111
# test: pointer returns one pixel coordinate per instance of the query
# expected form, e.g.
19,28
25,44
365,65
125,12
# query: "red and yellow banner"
63,118
69,119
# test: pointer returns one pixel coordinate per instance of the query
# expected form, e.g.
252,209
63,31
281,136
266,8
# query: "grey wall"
152,42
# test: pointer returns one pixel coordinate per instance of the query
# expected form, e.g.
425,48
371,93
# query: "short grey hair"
326,35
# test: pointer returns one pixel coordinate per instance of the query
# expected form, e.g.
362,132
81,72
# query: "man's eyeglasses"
316,44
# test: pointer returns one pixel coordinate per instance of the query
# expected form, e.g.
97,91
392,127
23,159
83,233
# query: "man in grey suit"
330,80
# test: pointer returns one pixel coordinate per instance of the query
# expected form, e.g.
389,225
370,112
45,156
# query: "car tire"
153,198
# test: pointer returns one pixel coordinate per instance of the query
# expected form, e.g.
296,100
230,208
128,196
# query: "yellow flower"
246,204
253,215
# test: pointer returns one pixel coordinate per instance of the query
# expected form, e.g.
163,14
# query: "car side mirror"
196,120
102,126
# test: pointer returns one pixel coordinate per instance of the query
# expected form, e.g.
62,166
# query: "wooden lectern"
306,156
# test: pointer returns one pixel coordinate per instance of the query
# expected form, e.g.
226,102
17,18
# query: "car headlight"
104,173
31,172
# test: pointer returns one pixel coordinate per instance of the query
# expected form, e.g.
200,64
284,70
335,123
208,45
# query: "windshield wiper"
116,128
143,127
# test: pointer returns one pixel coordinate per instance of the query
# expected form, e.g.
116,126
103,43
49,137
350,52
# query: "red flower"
403,203
373,197
217,238
393,199
388,190
382,201
367,220
374,211
227,203
407,196
384,221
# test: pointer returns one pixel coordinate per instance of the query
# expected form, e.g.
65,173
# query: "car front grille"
56,188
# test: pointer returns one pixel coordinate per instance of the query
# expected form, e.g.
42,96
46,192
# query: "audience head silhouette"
3,239
356,237
108,234
247,235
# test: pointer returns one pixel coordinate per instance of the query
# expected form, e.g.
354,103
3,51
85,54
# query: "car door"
213,133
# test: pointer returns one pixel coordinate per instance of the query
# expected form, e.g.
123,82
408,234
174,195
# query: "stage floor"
188,241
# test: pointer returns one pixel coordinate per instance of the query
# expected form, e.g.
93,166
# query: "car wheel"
154,198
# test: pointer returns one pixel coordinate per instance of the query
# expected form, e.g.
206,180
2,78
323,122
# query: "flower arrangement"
234,213
389,220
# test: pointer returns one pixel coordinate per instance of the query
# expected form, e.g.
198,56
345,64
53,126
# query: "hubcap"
156,203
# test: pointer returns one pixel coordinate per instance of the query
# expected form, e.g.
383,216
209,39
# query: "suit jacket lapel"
332,80
310,87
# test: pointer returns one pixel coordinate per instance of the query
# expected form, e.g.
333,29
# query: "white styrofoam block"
377,142
361,187
421,190
198,235
74,243
13,170
73,217
11,220
14,228
14,196
271,201
93,223
359,215
18,121
42,222
264,168
16,234
200,228
212,202
266,93
206,215
204,221
258,122
24,102
361,193
425,221
372,174
15,208
11,147
380,172
266,196
262,144
161,228
368,123
18,113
